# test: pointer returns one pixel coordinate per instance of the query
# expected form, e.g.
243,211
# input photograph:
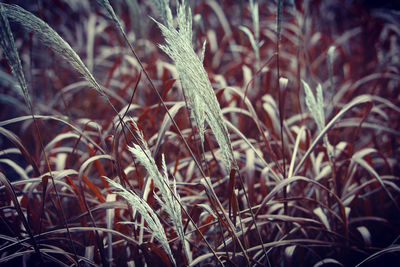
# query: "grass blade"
391,249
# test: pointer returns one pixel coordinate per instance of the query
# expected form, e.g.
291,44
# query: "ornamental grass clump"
10,51
201,97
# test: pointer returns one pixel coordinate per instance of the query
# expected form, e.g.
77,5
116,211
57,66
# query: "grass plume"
202,100
169,202
154,224
51,39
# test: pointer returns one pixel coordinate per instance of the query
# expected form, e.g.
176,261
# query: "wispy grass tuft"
202,100
315,105
316,108
51,39
148,214
10,51
168,201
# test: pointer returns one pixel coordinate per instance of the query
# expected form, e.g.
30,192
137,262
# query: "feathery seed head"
148,214
164,10
315,106
331,54
11,53
201,97
167,200
51,39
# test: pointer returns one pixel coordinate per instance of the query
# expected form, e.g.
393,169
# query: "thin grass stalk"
332,160
256,29
279,12
123,126
223,239
223,218
110,213
252,215
278,45
96,232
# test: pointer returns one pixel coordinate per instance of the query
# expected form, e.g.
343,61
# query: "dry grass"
274,144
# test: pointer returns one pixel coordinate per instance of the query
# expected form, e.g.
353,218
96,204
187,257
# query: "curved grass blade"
62,120
17,142
371,170
391,249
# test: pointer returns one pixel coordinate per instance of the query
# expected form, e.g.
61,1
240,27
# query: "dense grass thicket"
199,133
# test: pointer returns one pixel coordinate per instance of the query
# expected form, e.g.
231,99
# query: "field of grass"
199,133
